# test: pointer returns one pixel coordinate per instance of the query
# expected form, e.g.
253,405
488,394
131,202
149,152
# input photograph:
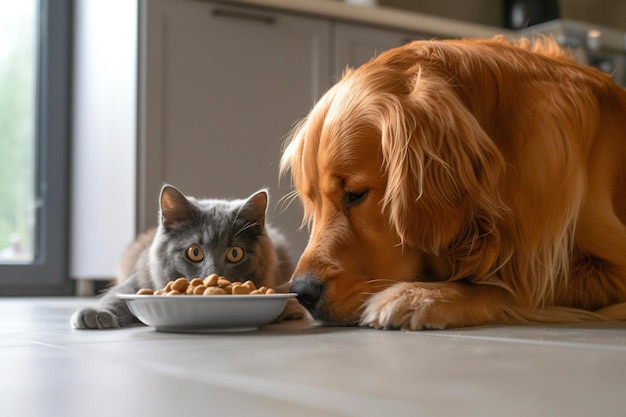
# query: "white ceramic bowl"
210,313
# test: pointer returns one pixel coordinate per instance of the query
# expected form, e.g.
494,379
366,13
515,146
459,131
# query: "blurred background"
102,102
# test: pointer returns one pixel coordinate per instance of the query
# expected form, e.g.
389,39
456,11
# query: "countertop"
380,16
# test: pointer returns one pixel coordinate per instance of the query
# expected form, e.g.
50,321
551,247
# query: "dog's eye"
353,198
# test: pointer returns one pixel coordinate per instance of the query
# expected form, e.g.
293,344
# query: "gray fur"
158,256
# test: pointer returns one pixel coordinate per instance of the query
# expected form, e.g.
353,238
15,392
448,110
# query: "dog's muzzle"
309,290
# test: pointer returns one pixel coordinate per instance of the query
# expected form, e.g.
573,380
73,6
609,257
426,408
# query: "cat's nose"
309,290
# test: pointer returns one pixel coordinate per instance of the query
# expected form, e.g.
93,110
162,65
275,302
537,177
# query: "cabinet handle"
236,14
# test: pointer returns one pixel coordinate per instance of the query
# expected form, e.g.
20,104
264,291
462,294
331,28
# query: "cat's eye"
234,254
195,253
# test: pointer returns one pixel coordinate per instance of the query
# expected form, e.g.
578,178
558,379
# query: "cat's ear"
255,207
175,207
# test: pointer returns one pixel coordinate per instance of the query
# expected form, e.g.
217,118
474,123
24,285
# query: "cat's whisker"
285,201
283,288
247,226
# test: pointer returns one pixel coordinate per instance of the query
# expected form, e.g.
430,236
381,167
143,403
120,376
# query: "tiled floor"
295,369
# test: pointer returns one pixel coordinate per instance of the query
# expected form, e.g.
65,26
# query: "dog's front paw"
90,318
436,305
406,306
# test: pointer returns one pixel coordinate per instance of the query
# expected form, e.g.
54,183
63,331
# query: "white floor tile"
297,369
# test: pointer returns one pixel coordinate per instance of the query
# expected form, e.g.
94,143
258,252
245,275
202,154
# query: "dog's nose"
309,290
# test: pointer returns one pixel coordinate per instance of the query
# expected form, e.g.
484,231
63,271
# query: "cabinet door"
356,44
221,88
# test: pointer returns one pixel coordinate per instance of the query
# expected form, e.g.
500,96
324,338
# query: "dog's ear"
442,169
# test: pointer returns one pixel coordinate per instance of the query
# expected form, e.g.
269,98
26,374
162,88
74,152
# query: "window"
34,146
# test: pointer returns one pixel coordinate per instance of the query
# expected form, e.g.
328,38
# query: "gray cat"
195,238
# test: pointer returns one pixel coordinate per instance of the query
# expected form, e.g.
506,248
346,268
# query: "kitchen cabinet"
356,44
220,88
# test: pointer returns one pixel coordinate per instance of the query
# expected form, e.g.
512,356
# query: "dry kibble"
180,285
249,284
260,290
214,291
240,289
199,290
222,282
195,282
211,285
211,280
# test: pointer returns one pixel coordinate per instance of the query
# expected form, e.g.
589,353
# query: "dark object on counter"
519,14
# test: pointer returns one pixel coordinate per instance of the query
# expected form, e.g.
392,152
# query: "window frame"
48,273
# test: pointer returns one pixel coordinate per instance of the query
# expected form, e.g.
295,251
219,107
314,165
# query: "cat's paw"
293,311
91,318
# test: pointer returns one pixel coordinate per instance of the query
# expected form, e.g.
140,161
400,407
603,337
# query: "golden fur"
461,183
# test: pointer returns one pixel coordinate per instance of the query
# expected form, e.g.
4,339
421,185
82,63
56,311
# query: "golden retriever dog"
463,183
